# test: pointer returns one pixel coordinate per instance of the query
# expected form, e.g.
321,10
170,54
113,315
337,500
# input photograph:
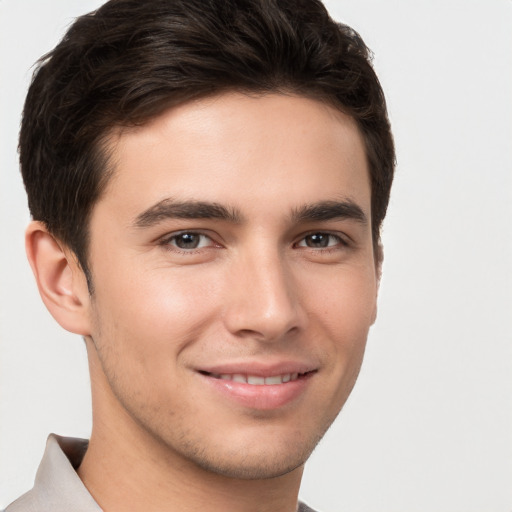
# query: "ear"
379,258
60,279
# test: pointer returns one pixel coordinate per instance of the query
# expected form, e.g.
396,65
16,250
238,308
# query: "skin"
260,289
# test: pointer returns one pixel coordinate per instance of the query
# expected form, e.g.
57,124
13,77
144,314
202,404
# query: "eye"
188,240
321,241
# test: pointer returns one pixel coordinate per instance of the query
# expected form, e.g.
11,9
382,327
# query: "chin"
253,466
253,458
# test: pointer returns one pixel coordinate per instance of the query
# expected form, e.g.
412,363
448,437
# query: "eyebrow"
171,209
330,210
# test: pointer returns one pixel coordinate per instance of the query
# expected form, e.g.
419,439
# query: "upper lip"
258,369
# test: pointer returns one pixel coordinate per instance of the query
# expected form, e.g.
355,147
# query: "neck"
123,473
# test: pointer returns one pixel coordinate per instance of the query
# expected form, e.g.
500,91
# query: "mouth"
258,380
264,390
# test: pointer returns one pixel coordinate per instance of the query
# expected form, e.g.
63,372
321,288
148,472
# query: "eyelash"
167,242
341,242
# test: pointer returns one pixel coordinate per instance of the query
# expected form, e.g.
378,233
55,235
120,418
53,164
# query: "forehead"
232,147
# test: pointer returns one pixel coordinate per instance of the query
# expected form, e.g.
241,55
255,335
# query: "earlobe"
379,258
60,280
374,314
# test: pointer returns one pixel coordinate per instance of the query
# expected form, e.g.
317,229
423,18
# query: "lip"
259,369
259,397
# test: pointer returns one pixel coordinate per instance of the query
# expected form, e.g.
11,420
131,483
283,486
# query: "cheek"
344,302
343,311
152,315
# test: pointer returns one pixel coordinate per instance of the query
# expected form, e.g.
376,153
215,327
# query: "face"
234,280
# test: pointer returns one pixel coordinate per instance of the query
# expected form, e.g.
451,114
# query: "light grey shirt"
57,486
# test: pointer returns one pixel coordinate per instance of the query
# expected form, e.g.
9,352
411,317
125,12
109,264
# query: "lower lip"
264,397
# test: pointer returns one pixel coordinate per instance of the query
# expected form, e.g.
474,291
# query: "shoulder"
25,503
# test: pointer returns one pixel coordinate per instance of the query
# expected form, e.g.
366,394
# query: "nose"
264,301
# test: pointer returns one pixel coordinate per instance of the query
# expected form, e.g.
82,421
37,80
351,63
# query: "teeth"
256,380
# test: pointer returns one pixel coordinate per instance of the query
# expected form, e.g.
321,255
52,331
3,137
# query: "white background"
429,425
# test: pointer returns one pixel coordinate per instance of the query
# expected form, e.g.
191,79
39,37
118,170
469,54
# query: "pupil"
187,241
318,240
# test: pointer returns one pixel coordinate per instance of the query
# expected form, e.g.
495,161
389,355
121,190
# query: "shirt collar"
57,486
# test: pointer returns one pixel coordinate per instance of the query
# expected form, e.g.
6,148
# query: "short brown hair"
130,60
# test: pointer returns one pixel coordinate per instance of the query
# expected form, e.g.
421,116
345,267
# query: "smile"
257,380
271,390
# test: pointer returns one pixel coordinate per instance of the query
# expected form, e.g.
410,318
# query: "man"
207,182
